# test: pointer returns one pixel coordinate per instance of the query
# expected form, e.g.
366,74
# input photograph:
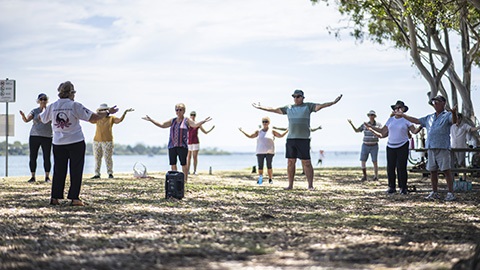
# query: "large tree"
425,28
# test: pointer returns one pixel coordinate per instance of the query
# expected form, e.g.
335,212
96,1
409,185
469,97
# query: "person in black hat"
298,139
40,136
438,126
397,129
369,145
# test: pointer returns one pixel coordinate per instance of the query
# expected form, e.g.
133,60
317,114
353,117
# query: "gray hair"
65,89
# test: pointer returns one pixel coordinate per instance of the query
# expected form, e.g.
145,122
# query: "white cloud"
215,56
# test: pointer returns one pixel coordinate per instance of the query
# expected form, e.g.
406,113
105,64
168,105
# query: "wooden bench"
474,172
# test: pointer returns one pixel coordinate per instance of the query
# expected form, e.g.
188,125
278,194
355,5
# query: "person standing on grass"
194,143
68,141
458,134
265,147
103,140
40,136
397,130
178,143
438,126
370,144
298,139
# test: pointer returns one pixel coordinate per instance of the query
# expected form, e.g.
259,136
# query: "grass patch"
226,221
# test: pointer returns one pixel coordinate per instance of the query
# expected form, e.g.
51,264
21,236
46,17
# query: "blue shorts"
369,149
298,148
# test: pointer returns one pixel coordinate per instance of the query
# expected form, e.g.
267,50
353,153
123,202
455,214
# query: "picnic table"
474,172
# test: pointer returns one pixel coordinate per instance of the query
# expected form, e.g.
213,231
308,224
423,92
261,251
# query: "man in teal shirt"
298,139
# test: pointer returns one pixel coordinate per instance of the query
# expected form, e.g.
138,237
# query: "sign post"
7,94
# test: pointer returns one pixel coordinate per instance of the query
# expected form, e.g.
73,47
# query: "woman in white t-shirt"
265,147
397,129
68,141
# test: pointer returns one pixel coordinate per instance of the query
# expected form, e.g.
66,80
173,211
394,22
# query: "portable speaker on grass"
174,185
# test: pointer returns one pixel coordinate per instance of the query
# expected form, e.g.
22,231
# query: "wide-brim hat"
400,103
103,107
371,112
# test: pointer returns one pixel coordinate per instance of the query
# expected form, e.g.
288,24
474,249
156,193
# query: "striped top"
368,137
178,134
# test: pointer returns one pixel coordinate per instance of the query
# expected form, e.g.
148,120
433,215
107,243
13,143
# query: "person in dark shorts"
298,139
178,143
265,147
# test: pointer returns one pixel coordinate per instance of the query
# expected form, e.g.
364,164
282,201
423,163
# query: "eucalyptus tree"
430,30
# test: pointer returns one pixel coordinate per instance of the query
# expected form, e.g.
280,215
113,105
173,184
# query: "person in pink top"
194,143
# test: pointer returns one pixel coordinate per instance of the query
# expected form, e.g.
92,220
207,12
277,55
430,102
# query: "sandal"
77,203
54,201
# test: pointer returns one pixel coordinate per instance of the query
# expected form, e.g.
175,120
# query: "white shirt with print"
65,115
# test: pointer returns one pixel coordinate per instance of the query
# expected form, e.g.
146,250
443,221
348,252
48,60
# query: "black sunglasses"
264,121
43,99
297,96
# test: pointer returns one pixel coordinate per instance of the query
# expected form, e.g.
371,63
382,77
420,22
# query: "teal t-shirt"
299,120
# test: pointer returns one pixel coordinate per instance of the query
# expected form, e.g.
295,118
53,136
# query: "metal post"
6,141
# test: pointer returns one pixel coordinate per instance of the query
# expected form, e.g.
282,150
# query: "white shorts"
194,147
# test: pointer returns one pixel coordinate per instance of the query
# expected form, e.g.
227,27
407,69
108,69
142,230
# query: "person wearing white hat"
103,140
369,145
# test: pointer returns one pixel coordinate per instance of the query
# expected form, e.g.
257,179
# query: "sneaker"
47,180
433,196
363,178
391,190
450,197
110,176
260,180
95,177
270,181
375,178
31,180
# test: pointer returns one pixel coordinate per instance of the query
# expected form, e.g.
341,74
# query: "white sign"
7,90
11,125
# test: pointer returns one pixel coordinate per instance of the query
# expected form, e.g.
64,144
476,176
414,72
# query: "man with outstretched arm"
438,143
298,139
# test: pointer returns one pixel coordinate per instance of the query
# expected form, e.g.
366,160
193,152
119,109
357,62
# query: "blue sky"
217,57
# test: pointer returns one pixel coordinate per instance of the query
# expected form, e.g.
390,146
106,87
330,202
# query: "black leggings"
268,157
397,161
35,142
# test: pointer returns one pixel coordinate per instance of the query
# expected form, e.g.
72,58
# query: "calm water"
18,165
